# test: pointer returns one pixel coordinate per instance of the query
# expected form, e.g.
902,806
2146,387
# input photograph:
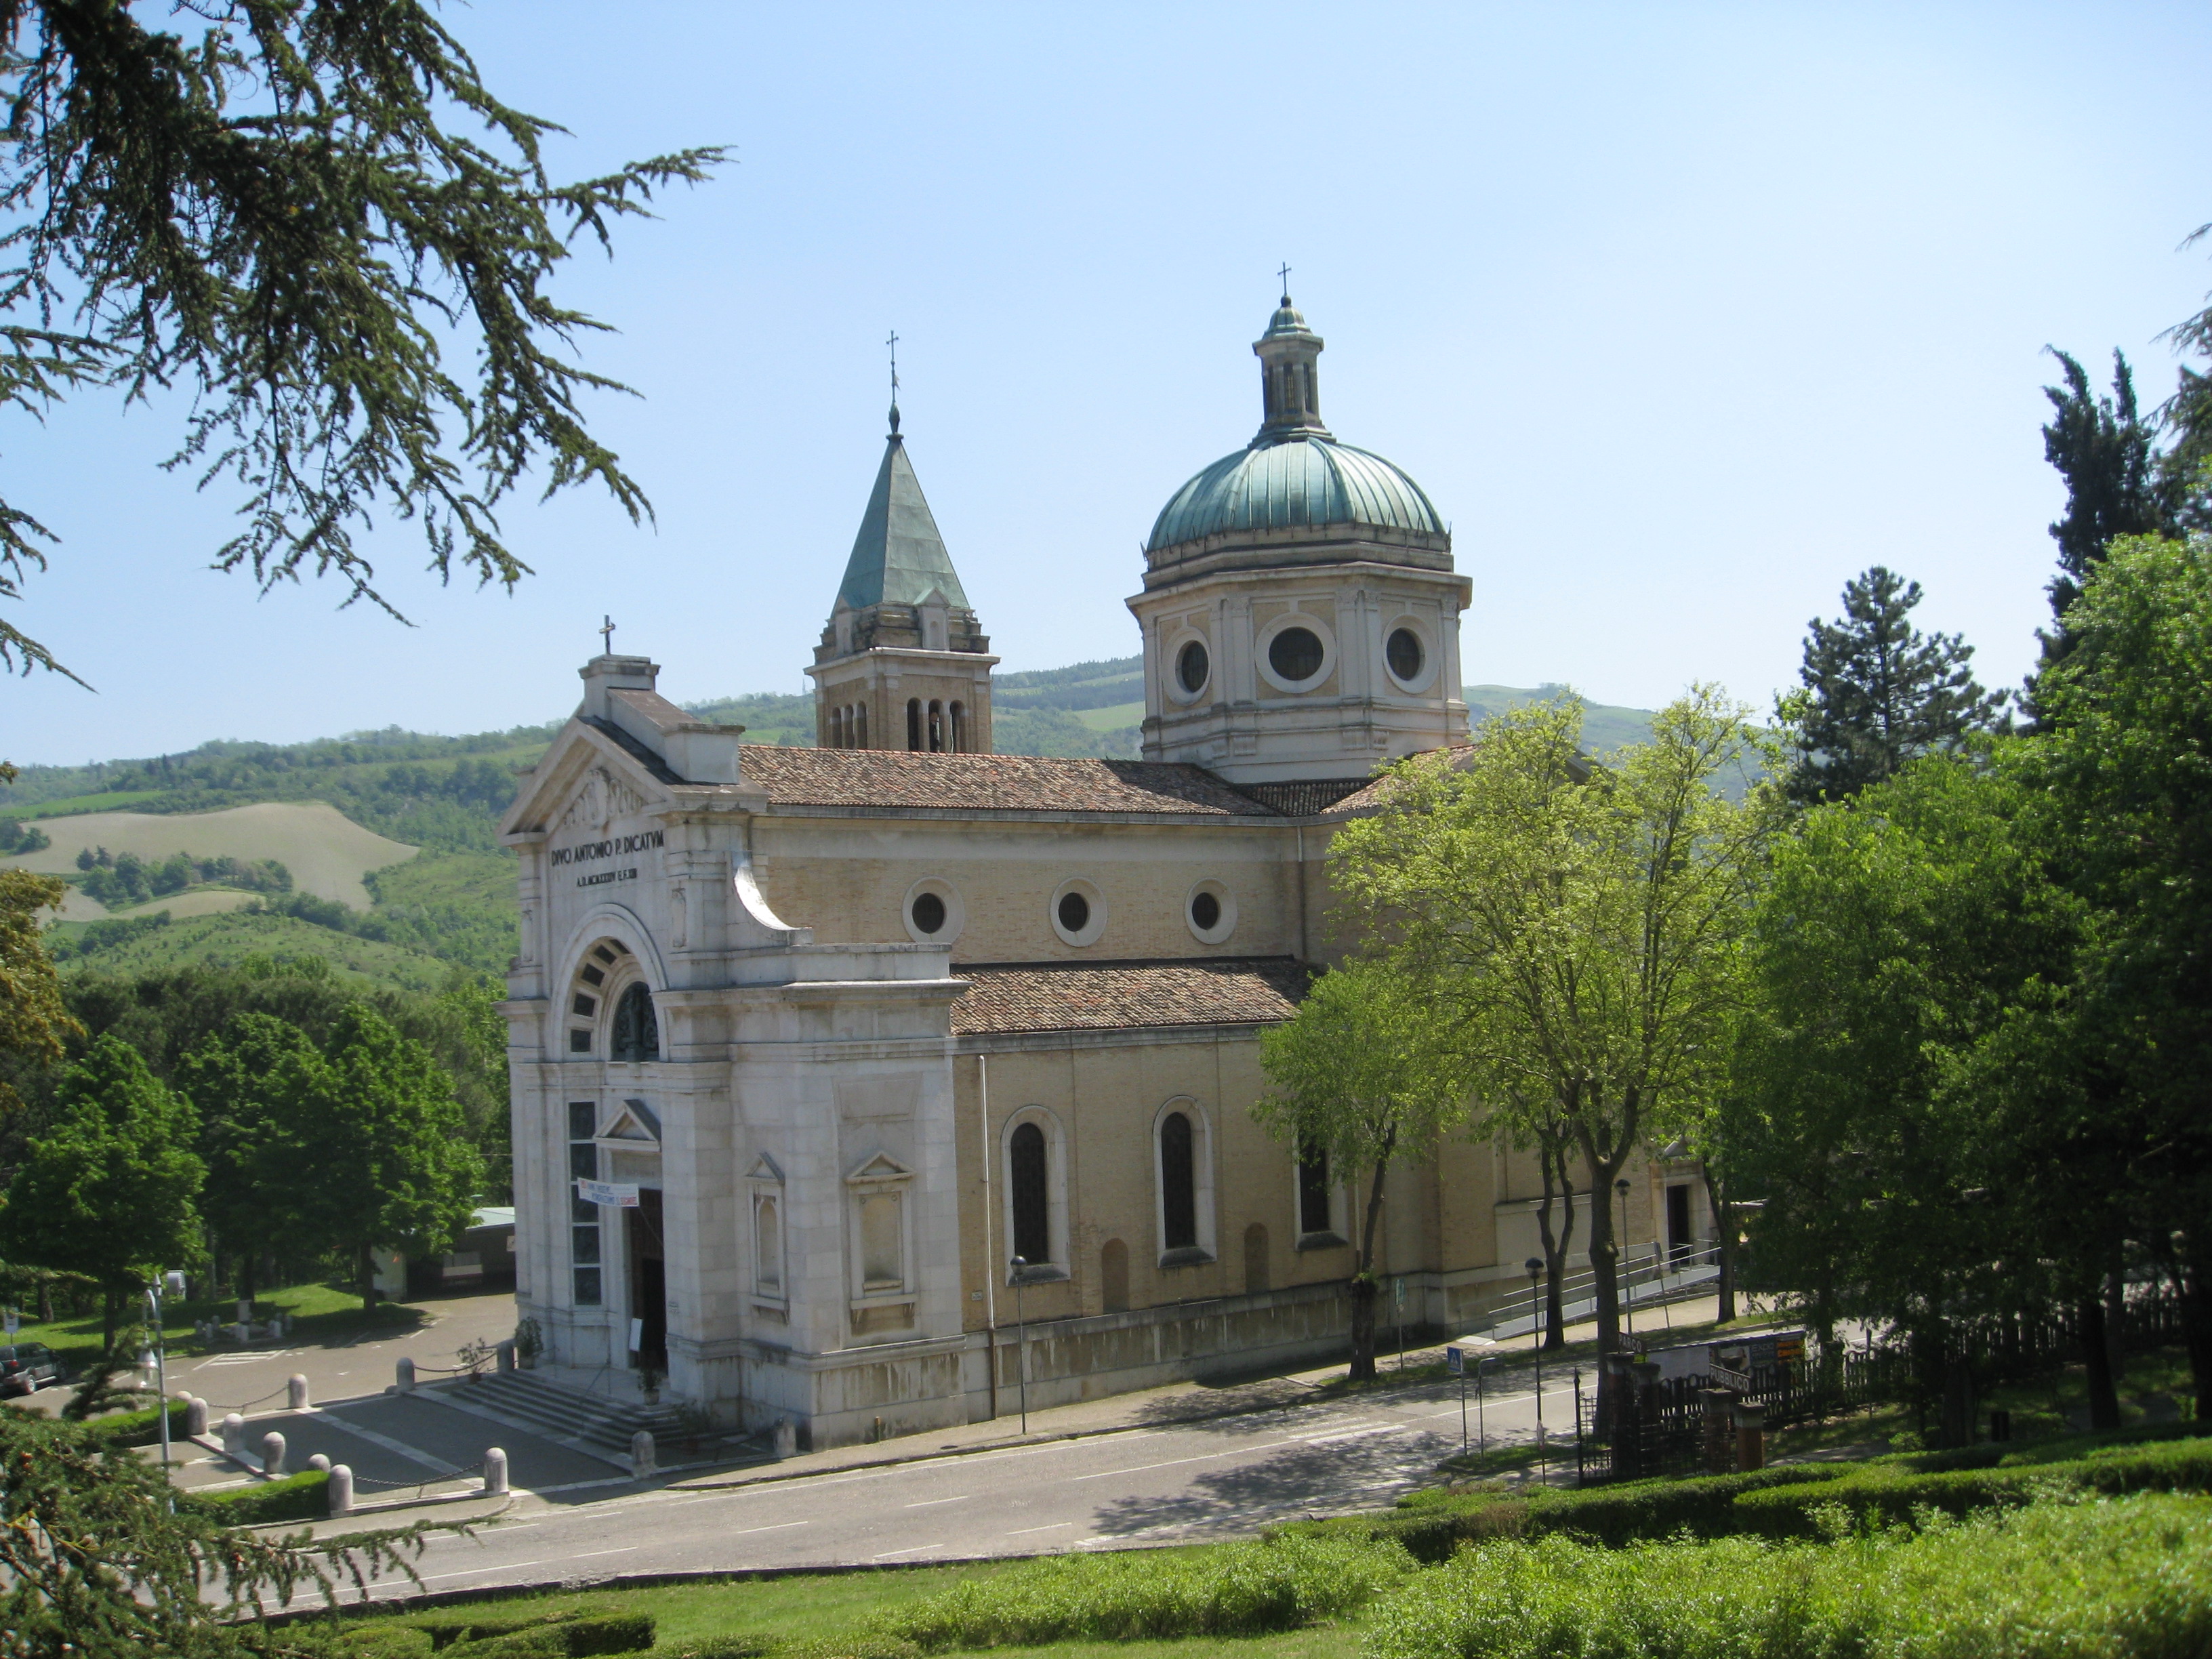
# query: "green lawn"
811,1608
323,1311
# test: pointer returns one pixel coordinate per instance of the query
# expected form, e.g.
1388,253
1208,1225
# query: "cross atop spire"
606,635
893,344
1284,273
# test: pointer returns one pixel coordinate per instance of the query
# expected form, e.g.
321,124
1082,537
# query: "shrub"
2129,1577
722,1647
1230,1589
302,1497
567,1635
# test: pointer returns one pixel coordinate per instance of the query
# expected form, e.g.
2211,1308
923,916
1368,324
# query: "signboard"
1456,1361
14,1322
1790,1350
636,1334
619,1194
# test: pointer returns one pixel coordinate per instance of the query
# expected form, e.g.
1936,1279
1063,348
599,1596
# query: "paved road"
1202,1481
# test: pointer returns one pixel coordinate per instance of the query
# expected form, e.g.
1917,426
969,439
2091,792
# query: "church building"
821,1055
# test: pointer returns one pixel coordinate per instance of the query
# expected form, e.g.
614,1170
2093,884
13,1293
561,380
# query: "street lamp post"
174,1282
1481,1426
1620,1254
1021,1341
1535,1268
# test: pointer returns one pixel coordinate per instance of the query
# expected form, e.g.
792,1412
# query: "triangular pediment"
635,1121
587,781
764,1168
882,1167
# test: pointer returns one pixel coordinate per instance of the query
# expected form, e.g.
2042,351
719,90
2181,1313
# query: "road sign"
15,1323
1456,1361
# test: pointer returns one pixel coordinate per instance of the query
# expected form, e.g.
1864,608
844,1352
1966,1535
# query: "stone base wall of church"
1077,1360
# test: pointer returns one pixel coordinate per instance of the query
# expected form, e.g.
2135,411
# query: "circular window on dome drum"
1193,665
1402,650
1296,653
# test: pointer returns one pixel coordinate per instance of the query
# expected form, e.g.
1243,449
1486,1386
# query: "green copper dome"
1294,475
1307,481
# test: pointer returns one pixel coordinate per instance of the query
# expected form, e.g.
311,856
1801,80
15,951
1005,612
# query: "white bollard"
406,1375
295,1392
244,1310
494,1471
506,1353
272,1454
195,1416
641,1454
341,1490
320,1461
786,1437
233,1434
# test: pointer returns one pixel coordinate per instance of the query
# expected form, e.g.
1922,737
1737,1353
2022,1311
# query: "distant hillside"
374,904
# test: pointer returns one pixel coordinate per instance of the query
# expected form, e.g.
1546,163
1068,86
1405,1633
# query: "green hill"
428,885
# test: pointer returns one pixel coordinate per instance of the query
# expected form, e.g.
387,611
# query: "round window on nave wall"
1402,650
1295,653
1074,912
1191,667
1204,911
928,913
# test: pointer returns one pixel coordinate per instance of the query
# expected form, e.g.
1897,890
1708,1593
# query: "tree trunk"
111,1304
1724,1249
45,1299
1605,1261
1549,1149
365,1265
2195,1285
246,1262
1364,1288
2097,1362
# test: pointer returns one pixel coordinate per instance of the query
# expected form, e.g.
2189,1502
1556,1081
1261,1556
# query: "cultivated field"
326,852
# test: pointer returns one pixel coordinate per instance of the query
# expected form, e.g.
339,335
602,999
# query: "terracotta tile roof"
1304,797
1022,783
1089,996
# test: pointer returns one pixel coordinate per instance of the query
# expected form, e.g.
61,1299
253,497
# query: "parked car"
27,1367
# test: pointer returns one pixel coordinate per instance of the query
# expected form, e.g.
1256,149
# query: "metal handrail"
1669,1265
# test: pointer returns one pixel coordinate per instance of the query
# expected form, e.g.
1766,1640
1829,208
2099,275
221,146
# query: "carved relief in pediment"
601,798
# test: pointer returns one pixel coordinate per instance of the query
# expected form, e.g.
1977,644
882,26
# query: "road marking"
509,1566
926,1502
779,1526
1025,1531
1354,1434
586,1555
916,1550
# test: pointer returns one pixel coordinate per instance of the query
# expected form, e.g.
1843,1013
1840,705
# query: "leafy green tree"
108,1191
294,216
1877,692
379,1149
1584,923
1920,1097
2128,758
33,1019
1365,1074
2106,449
98,1561
254,1083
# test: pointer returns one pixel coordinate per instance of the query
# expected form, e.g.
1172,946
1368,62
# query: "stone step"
571,1414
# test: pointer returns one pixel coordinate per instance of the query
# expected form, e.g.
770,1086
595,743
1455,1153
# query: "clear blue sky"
1682,315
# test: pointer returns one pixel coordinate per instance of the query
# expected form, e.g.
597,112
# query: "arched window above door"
636,1030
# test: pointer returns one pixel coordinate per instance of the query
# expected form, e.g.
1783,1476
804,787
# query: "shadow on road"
1323,1477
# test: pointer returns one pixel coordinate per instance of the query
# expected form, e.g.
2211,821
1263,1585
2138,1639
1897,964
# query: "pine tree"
2106,450
304,217
1877,692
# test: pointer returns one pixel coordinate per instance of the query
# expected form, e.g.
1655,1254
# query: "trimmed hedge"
141,1428
559,1636
1888,1493
1432,1531
302,1497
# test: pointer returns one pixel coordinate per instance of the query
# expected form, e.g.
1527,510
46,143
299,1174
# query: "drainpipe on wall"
1303,956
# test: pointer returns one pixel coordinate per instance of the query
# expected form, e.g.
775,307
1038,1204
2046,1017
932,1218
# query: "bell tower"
903,663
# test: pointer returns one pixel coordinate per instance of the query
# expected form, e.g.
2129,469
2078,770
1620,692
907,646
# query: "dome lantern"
1290,378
